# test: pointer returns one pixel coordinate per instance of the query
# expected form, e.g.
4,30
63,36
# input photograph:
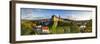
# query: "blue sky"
34,13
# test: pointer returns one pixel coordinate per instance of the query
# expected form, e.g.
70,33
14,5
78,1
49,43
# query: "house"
45,29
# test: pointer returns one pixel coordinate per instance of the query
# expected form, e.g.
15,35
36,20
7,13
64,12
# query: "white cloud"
80,17
32,17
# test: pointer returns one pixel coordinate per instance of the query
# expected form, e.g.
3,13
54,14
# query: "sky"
38,13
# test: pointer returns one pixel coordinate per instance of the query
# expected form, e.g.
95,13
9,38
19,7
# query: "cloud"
79,17
32,17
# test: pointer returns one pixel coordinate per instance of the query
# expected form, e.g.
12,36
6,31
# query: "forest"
55,25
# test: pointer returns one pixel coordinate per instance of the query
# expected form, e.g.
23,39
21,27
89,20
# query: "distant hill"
50,19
